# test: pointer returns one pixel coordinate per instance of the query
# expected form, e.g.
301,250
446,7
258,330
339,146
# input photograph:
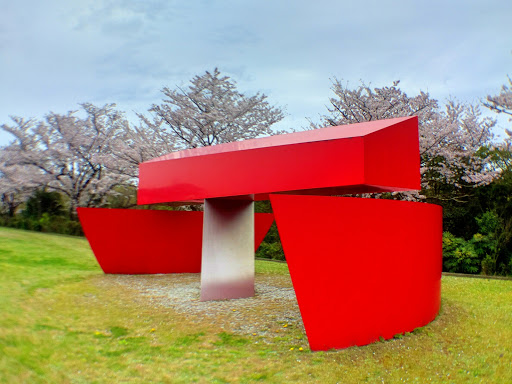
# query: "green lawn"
61,321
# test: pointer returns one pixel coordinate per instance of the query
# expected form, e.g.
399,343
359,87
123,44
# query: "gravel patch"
273,307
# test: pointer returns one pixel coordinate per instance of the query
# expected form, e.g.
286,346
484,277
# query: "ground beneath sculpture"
266,315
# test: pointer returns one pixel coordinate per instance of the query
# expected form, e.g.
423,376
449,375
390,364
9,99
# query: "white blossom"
501,103
65,153
211,111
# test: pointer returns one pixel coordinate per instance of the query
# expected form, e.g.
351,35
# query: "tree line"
90,157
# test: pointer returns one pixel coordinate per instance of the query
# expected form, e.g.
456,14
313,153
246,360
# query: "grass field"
61,321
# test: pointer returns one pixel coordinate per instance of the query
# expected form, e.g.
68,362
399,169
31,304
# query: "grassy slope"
58,325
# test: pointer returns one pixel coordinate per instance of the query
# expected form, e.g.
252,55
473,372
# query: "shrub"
459,255
488,265
272,251
43,202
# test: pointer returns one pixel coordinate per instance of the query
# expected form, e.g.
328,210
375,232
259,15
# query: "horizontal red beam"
366,157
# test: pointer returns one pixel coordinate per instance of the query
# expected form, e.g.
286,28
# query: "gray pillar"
227,269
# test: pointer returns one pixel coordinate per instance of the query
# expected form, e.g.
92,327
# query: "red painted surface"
374,156
361,268
262,223
132,241
392,157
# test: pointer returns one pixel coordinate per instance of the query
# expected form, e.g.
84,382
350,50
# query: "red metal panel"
392,158
328,159
132,241
361,268
135,241
262,223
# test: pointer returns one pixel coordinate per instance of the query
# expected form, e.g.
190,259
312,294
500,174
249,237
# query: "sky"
55,54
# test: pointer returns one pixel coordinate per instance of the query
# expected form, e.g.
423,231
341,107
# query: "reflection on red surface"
361,268
133,241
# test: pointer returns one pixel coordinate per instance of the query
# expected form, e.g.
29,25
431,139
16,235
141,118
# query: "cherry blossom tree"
451,138
136,144
210,111
17,182
15,185
66,153
501,103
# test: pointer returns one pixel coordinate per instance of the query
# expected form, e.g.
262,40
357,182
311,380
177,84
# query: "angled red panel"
262,223
334,160
133,241
361,268
136,241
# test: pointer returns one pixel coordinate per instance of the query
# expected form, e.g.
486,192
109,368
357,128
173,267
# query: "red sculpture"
362,269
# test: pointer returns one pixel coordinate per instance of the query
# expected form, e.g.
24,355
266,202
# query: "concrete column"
227,269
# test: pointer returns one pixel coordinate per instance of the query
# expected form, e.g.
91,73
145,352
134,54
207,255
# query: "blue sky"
57,53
